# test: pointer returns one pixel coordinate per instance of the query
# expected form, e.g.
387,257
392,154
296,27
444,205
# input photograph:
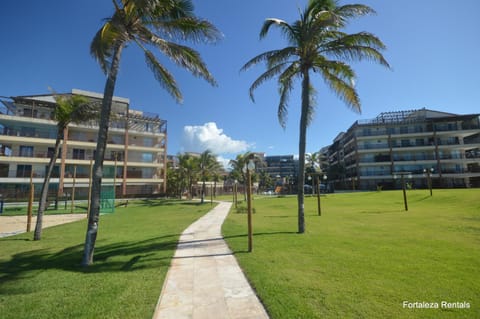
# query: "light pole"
428,172
402,177
247,169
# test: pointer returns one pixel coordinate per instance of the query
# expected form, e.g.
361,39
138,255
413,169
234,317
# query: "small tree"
69,109
208,164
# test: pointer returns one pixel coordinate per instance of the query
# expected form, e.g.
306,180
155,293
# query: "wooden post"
318,196
249,209
73,188
115,180
30,202
211,195
404,193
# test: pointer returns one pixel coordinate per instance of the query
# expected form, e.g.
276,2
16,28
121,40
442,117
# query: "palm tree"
316,44
237,173
144,23
188,166
69,109
208,164
239,164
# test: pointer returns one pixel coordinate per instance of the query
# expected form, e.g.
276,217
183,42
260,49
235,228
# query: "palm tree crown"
316,43
154,23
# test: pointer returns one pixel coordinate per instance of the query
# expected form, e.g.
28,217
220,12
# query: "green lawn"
43,279
365,255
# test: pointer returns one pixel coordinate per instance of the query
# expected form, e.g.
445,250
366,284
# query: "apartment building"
371,152
135,158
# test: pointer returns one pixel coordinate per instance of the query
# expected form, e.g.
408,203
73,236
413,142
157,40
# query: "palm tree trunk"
301,150
94,213
37,235
203,191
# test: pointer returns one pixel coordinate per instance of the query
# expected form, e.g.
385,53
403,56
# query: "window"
78,153
147,157
26,151
403,129
27,131
405,143
419,142
24,170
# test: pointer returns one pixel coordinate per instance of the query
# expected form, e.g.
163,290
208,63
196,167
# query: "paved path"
12,225
204,280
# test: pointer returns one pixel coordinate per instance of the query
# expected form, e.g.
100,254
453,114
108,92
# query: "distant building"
372,151
283,170
135,157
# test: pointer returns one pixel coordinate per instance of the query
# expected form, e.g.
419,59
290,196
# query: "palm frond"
188,29
350,11
267,75
285,87
340,69
344,90
358,46
102,45
166,80
270,57
185,57
284,26
286,81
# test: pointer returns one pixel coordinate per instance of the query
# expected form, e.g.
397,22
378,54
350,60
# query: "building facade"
371,152
135,157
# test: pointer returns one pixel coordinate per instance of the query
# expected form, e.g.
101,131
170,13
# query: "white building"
371,152
136,149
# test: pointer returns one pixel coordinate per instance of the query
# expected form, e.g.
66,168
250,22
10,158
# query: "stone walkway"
205,280
12,225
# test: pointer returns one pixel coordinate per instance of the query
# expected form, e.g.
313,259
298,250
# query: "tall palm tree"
316,44
144,23
69,109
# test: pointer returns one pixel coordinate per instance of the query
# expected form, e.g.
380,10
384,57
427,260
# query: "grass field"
365,256
44,279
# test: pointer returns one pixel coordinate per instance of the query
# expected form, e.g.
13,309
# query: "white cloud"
209,136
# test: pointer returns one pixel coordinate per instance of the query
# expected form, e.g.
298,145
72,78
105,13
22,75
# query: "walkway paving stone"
204,279
12,225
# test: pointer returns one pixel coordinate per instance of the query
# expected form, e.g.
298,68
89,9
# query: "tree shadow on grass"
236,252
166,202
116,257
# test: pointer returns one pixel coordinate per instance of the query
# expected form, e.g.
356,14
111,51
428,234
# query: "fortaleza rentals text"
436,305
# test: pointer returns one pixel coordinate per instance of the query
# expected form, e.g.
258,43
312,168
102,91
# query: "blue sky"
432,46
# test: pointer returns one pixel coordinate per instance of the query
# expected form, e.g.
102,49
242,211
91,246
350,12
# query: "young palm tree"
208,164
144,23
316,160
316,44
69,109
188,167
